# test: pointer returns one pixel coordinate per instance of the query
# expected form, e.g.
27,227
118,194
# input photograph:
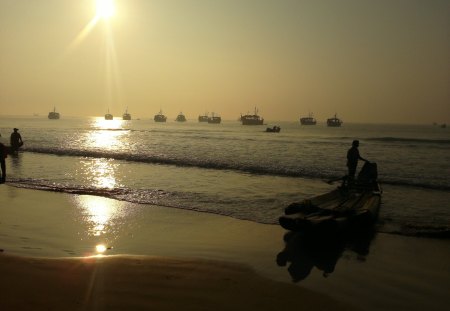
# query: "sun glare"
105,8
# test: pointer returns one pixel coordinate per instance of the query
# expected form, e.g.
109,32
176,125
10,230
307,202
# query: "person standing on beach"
352,159
16,141
3,155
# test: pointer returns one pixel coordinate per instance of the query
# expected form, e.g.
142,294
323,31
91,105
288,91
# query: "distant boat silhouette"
309,120
252,119
160,117
203,118
334,122
108,116
126,115
214,119
53,115
181,118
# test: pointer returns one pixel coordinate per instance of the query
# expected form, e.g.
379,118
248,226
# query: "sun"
105,8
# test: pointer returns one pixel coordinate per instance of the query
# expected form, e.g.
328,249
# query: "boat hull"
340,210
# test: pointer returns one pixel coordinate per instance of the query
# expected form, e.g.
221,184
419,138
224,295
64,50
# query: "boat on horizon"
126,115
108,116
252,119
180,117
53,115
334,122
203,118
214,119
160,117
309,120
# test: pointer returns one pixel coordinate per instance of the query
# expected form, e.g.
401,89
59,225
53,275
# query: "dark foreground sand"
192,261
144,283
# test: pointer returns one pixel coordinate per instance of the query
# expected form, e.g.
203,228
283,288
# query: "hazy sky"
367,61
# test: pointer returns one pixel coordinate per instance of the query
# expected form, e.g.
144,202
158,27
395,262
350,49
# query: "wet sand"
190,260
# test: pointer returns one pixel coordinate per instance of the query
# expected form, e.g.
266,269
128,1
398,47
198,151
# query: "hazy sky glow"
369,61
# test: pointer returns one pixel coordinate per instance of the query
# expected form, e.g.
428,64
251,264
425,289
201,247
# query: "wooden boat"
181,118
108,116
309,120
160,117
53,115
203,118
126,115
334,122
252,119
348,207
214,119
275,129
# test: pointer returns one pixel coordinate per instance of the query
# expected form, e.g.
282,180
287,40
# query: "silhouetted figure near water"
3,155
352,160
16,141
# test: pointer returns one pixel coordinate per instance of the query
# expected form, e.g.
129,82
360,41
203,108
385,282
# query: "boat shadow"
302,253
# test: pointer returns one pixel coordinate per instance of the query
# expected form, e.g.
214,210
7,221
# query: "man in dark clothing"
16,141
352,159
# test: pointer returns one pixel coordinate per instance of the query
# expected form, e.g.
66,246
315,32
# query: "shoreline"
398,272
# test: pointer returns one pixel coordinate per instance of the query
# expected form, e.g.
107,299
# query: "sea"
235,170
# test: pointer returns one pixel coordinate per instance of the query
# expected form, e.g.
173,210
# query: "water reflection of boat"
334,122
214,119
126,115
252,119
108,116
160,117
309,120
53,115
302,253
181,118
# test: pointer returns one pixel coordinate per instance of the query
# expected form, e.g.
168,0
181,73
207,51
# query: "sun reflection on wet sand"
102,215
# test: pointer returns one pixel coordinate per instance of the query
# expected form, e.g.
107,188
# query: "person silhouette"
16,141
352,160
3,156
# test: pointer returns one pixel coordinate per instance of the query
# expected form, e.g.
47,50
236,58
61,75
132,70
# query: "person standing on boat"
16,141
352,159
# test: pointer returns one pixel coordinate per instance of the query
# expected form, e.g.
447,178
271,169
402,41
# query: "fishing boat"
354,204
252,119
334,122
203,118
53,115
214,119
108,116
275,129
160,117
180,118
126,115
309,120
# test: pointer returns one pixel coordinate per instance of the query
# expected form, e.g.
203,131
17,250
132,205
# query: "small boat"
352,205
53,115
108,116
252,119
203,118
334,122
160,117
181,118
126,115
309,120
214,119
275,129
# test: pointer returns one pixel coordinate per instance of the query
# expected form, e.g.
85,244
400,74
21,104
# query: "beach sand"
165,259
